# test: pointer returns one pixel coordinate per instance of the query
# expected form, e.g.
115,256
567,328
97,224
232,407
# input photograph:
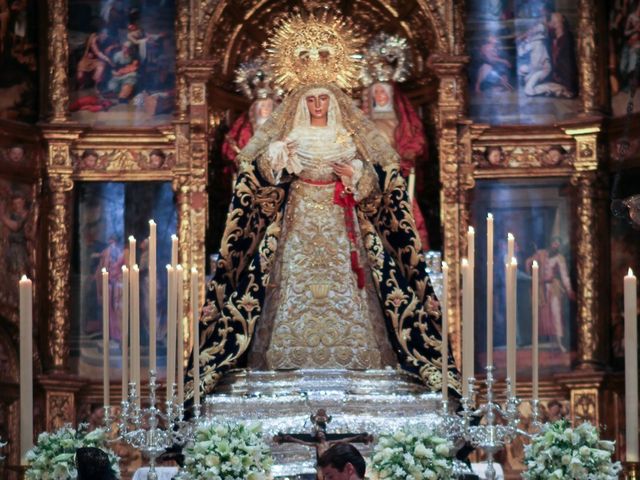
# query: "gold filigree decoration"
58,60
524,156
59,261
316,49
121,160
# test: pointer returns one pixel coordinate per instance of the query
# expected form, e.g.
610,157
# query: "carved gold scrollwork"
59,258
588,56
58,60
60,410
584,406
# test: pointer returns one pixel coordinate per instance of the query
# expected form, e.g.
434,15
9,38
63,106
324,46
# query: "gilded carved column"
59,235
587,57
58,60
454,177
591,269
191,167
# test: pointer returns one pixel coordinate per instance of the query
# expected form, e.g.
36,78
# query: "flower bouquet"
560,452
415,452
222,451
53,457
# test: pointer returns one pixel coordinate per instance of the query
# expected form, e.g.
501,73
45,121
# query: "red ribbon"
345,199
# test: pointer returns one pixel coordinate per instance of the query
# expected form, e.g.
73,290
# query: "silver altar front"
372,401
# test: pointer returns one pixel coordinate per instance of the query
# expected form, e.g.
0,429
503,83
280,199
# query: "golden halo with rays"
315,50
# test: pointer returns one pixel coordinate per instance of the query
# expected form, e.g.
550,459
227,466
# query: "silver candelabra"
150,429
500,424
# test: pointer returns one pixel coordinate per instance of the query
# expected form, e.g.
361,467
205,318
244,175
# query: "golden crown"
315,50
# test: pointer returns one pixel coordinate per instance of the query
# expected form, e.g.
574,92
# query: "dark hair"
339,455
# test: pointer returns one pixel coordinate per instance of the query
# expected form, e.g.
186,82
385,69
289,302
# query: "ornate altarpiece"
212,36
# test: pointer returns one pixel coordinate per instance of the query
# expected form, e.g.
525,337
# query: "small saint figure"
388,65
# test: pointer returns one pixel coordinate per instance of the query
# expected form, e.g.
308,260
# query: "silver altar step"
371,401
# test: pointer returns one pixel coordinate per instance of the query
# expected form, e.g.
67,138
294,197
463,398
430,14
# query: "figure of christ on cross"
320,439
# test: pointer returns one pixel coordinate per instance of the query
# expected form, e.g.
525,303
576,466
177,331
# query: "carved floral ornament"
122,160
524,156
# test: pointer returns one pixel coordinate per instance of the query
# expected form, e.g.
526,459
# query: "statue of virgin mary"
320,265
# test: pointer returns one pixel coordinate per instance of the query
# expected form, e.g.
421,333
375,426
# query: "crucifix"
319,438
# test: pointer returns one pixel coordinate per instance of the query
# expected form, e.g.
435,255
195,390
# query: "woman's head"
318,107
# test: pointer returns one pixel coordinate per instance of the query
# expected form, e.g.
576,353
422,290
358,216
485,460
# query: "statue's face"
380,95
264,108
318,105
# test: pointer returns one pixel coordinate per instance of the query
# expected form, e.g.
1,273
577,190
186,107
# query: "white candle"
171,335
512,268
631,364
152,295
412,185
535,299
467,326
489,289
135,326
180,330
511,246
174,250
445,332
125,332
195,312
132,251
26,367
105,338
471,292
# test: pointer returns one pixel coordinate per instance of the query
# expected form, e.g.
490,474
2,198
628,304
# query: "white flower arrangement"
414,452
560,452
227,451
53,457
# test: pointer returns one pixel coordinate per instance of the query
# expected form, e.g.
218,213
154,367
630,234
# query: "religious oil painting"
107,214
18,64
625,237
624,51
538,214
18,223
122,62
523,67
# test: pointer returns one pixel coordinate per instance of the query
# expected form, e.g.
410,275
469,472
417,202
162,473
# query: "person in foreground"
342,461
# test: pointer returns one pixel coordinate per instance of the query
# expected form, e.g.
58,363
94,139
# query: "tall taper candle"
411,186
195,312
125,332
445,332
467,327
471,290
171,332
631,364
535,312
26,367
489,289
152,295
135,326
132,252
180,330
105,338
511,246
174,250
511,322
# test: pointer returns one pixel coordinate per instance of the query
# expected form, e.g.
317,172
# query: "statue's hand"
292,147
343,170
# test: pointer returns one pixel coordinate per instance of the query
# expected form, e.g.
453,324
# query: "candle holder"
631,470
501,422
149,429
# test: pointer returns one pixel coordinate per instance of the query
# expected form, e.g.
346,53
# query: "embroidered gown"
316,316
